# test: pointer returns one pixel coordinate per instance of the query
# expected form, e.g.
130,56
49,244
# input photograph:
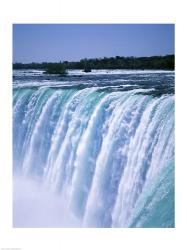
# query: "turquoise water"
102,144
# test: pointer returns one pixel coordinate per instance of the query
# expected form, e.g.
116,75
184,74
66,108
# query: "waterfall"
107,155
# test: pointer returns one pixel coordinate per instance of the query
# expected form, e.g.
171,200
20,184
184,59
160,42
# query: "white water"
83,158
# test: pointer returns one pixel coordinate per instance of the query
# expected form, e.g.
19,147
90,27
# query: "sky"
72,42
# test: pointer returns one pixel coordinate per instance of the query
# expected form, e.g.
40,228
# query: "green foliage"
56,68
154,62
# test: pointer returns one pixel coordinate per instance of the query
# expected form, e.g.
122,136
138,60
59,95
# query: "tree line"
154,62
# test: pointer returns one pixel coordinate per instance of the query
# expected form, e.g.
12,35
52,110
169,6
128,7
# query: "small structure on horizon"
87,70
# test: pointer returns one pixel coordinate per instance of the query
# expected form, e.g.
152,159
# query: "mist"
36,206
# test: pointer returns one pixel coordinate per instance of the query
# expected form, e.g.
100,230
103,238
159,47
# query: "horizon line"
92,58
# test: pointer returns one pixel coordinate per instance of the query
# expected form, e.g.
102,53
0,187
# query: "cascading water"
101,144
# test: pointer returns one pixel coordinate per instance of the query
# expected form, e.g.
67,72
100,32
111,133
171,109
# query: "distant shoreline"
108,63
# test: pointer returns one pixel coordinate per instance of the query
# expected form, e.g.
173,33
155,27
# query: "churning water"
93,150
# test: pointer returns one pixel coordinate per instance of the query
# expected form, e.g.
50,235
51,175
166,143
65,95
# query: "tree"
56,68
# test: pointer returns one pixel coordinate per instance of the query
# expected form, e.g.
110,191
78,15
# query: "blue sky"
72,42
